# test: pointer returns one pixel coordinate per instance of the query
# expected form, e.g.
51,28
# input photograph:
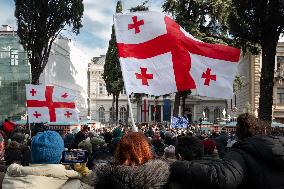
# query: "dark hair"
189,148
248,126
133,149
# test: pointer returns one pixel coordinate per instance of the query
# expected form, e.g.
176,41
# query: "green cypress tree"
112,71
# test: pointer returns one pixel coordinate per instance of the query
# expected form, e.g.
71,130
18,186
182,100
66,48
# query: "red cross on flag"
158,57
50,104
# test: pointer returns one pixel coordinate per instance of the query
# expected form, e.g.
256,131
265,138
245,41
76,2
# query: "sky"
97,21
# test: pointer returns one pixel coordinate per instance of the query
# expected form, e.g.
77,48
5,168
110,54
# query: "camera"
74,156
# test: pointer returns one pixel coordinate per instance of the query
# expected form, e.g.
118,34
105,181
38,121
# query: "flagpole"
134,128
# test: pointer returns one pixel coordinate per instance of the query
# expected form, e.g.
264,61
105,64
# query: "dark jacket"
256,162
151,175
221,144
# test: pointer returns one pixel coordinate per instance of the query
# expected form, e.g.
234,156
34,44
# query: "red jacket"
8,127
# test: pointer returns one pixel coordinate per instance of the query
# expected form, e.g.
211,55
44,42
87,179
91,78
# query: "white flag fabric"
50,104
158,57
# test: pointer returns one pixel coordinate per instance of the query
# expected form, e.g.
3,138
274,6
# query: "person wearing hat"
255,161
45,172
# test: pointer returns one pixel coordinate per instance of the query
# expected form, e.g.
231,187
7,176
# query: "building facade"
147,109
100,103
14,74
246,99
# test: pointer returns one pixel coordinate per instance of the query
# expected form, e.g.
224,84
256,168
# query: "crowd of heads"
120,144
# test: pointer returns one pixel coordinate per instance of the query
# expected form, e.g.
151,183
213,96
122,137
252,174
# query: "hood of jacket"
153,174
47,170
268,150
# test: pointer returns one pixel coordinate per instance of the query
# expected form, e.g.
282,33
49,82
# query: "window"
101,114
112,115
123,92
280,63
217,114
14,91
101,88
14,57
280,95
207,113
122,114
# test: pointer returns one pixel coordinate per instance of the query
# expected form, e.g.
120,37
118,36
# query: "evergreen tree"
40,22
112,71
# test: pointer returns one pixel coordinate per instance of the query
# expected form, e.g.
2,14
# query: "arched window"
217,115
111,113
122,114
101,114
207,113
101,88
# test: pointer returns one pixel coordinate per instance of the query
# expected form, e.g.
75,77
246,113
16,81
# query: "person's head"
19,137
209,146
117,133
169,152
47,148
248,126
133,149
86,145
13,153
6,120
189,148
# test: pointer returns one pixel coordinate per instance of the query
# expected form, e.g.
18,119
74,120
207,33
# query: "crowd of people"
156,157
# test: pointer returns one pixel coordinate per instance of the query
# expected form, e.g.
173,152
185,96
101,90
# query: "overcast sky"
97,21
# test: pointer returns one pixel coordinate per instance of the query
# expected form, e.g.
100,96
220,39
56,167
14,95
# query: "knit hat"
97,141
47,148
86,145
117,133
170,152
209,146
168,134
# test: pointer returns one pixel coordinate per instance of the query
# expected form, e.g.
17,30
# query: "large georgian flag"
158,57
50,104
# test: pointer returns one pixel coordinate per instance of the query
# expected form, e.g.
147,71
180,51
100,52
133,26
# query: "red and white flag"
145,110
158,57
50,104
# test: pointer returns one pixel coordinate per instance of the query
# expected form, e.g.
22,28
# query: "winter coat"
40,176
256,162
151,175
221,144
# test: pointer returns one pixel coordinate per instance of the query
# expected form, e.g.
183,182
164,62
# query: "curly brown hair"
133,149
248,126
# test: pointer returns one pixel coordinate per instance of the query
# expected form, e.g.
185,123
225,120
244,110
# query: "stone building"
99,102
247,98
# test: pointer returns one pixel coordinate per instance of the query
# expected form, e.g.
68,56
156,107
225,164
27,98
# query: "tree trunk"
116,108
35,73
267,77
176,104
112,109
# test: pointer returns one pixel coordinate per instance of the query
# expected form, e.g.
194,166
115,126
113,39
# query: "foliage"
238,83
205,20
40,22
259,23
112,71
142,7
